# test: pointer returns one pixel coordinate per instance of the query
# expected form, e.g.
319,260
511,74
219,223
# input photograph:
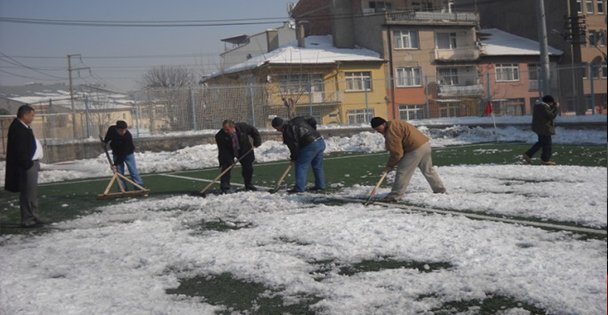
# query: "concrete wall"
54,153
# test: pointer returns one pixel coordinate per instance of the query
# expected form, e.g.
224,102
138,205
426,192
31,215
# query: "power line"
15,62
185,23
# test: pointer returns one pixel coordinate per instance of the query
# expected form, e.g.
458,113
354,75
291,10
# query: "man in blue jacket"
306,147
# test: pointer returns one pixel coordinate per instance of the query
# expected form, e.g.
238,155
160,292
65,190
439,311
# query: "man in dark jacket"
543,125
121,143
233,142
23,152
306,147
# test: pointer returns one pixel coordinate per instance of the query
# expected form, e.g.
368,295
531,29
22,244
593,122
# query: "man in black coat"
233,142
543,125
23,152
306,147
121,143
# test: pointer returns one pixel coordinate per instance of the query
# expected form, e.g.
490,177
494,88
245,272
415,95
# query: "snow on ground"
122,258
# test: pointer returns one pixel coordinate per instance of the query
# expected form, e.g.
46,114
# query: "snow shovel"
204,191
280,180
116,178
373,193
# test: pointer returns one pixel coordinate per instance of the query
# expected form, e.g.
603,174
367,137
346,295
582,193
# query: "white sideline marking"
482,217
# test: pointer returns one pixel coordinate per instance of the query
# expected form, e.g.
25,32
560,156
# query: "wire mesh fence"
454,91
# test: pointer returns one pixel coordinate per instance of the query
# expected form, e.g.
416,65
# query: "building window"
593,37
449,109
447,76
409,77
359,116
510,106
600,6
411,112
589,6
533,75
604,71
578,6
585,70
358,81
446,40
301,83
380,6
406,39
601,38
507,72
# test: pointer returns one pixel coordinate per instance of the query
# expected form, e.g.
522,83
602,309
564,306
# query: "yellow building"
341,86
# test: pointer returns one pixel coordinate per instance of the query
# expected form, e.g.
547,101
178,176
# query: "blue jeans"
130,161
310,155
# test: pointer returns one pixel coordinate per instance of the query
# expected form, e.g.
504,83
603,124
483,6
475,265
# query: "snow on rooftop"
496,42
317,50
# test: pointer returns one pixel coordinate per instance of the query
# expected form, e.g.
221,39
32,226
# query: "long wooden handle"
280,180
373,193
224,172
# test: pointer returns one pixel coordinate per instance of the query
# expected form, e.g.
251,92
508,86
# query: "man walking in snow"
23,154
306,147
233,142
543,117
121,143
409,148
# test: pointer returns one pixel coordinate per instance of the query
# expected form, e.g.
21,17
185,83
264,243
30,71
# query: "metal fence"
452,92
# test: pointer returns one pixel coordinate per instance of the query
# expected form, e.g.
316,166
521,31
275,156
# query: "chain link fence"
452,92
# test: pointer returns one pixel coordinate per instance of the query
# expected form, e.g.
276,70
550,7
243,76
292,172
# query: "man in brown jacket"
409,148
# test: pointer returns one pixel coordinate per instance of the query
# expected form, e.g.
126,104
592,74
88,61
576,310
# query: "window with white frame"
600,6
411,112
409,76
593,38
589,6
595,69
449,109
604,71
510,107
358,81
579,8
406,39
301,83
359,116
447,76
507,72
446,40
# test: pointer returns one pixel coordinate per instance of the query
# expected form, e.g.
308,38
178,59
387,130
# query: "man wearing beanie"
543,116
409,149
306,147
121,143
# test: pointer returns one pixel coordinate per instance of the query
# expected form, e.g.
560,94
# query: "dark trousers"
544,142
28,196
247,172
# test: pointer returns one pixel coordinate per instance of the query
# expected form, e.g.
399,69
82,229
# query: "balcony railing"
457,54
460,90
398,16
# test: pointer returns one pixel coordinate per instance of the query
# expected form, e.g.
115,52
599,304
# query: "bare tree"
168,77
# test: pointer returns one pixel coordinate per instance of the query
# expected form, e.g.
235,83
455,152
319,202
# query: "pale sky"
118,55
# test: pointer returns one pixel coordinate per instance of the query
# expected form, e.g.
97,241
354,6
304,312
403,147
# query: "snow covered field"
121,259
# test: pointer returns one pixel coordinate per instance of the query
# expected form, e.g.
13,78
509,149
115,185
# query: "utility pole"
70,69
545,73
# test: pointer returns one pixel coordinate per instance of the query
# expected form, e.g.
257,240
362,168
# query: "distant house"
345,86
243,47
509,67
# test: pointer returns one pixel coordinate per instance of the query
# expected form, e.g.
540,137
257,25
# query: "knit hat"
121,124
277,122
377,121
548,99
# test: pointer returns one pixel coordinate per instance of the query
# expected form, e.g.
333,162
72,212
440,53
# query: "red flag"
488,110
